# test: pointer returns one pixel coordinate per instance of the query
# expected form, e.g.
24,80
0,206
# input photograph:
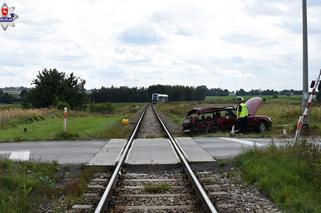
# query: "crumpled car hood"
253,105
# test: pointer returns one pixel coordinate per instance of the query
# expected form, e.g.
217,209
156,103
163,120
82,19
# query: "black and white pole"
306,109
305,80
65,119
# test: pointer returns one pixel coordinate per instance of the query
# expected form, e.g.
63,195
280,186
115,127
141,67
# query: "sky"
232,44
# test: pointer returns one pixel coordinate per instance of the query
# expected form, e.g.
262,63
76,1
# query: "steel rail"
207,204
114,178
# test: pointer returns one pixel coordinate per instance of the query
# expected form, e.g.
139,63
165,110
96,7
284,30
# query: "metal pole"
65,119
305,91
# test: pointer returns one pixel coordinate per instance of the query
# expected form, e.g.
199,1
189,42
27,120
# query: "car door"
227,120
200,122
251,122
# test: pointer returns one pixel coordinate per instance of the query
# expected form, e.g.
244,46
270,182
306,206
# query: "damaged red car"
207,119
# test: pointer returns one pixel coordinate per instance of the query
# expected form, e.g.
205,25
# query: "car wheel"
262,126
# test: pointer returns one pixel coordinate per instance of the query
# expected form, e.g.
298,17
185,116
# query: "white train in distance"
156,97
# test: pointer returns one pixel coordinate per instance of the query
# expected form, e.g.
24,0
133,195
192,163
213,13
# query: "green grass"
113,108
10,106
157,188
25,185
290,176
14,116
283,99
80,127
102,121
73,189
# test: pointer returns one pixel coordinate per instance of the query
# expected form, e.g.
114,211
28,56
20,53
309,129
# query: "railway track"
154,188
164,188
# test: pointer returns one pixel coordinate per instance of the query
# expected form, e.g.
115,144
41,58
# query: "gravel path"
173,128
150,127
229,192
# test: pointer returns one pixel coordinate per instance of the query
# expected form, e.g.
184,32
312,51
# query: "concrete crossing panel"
146,151
109,154
193,151
220,148
20,155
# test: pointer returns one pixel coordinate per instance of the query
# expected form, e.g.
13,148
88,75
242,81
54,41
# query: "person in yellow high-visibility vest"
242,114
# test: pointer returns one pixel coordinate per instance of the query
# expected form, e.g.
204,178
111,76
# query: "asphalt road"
65,152
81,152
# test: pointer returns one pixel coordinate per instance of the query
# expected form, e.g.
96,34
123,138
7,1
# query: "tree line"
6,98
57,89
290,92
144,94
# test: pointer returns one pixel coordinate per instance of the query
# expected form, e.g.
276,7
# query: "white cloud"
229,44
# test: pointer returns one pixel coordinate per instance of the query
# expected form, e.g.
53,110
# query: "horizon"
209,88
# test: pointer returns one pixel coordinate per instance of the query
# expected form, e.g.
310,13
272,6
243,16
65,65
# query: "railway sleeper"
81,208
145,182
140,190
156,201
153,176
156,209
92,194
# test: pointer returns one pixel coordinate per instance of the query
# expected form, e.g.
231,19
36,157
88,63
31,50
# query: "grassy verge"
73,188
79,127
10,106
25,186
290,176
97,121
11,117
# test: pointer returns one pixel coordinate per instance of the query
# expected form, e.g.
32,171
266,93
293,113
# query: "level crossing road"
81,152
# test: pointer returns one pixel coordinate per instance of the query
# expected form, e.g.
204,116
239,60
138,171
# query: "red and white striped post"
65,119
306,110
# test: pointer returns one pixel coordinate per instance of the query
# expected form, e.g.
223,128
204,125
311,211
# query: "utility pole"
305,91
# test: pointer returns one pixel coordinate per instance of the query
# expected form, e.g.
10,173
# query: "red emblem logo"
4,10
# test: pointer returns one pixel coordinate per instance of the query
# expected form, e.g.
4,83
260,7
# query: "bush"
66,135
26,105
16,116
101,108
61,105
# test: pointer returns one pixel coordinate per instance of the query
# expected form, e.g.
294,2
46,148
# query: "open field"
9,106
102,121
10,117
47,124
283,110
290,176
296,99
82,127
